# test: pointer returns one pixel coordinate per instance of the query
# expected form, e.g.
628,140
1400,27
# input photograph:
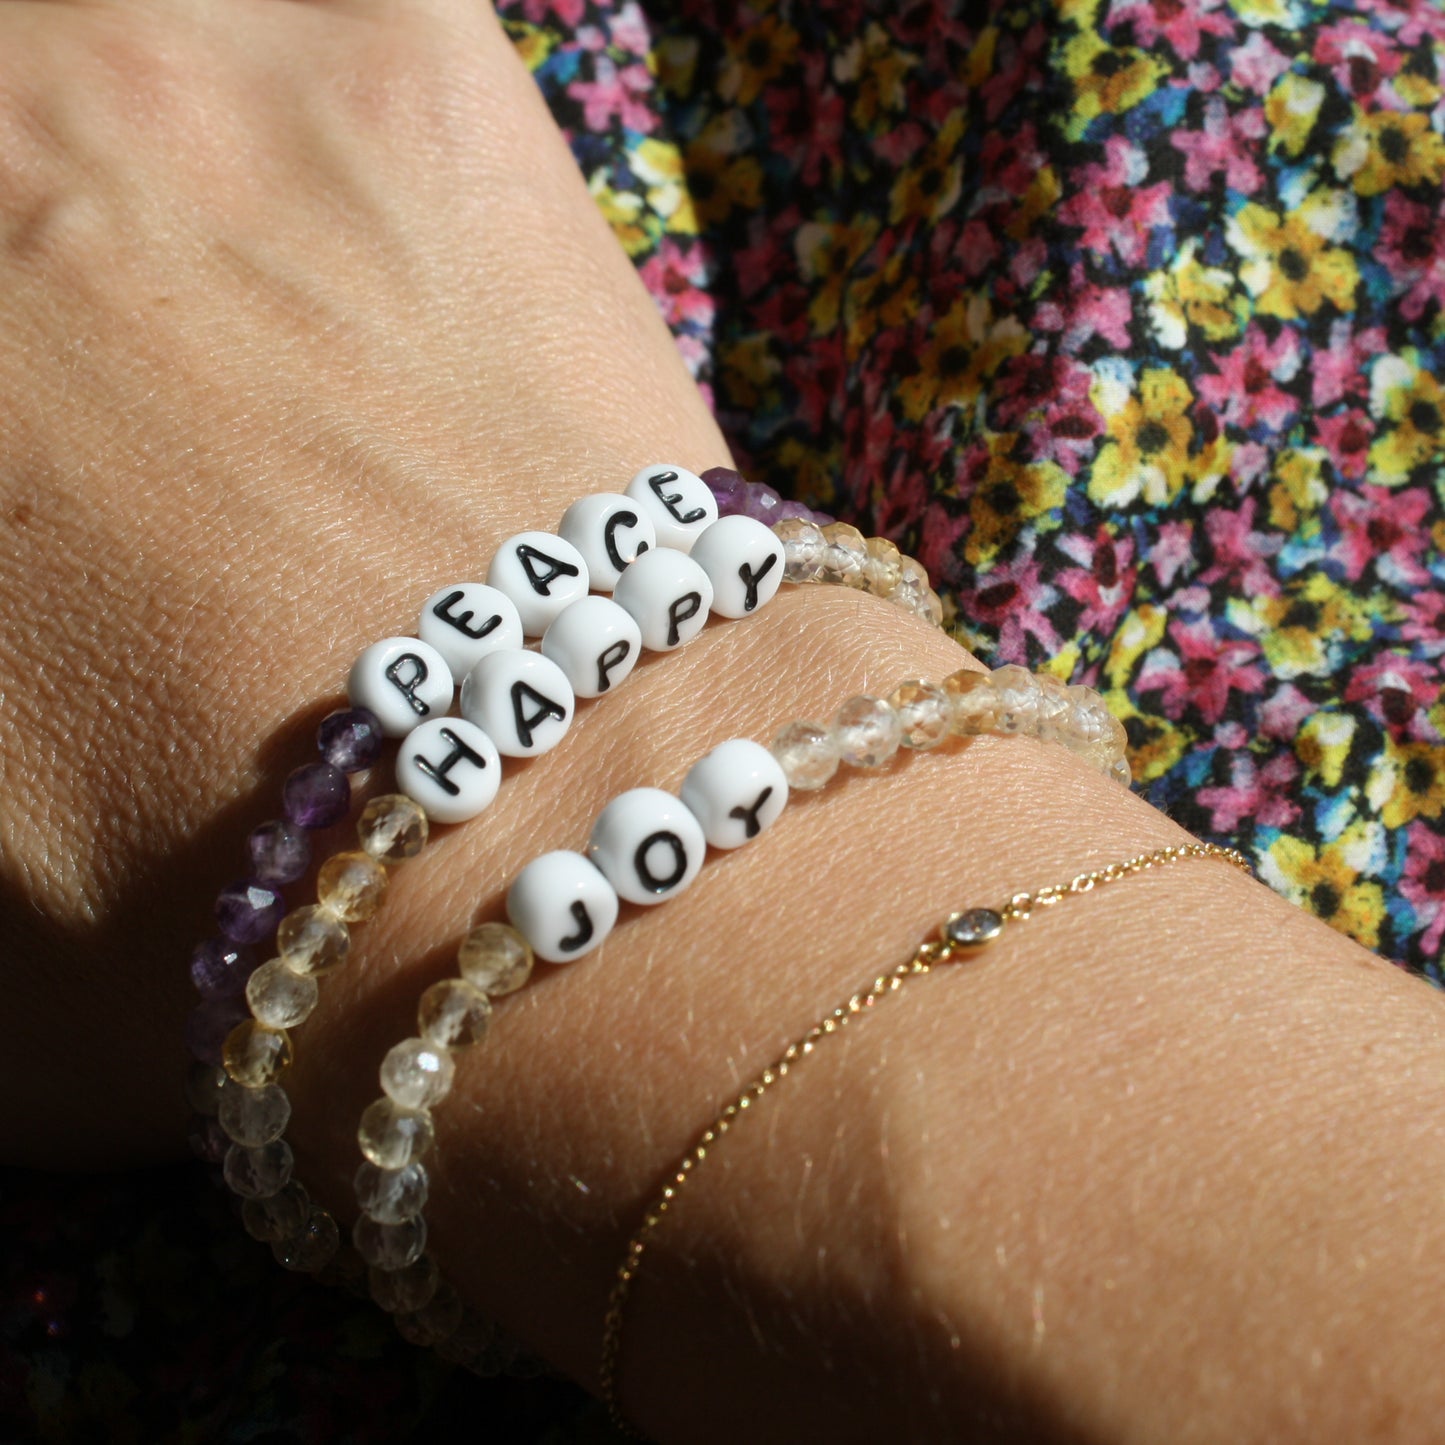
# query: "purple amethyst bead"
249,911
280,852
789,508
350,739
219,969
316,795
763,503
208,1024
728,489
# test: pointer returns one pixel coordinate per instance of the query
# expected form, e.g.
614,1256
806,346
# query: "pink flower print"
1346,436
1181,23
1381,526
1283,712
1412,247
676,277
1423,885
1424,622
1397,688
1203,672
1256,64
621,92
1226,143
1172,552
1337,371
1265,795
1240,555
1359,57
1242,388
1103,583
1104,311
565,14
1010,603
1113,207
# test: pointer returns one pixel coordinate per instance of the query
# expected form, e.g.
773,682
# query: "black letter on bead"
585,930
646,876
437,772
657,481
443,609
686,606
407,686
611,657
541,580
609,539
749,816
525,723
750,580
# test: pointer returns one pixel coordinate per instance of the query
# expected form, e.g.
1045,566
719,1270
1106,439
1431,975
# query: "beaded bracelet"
647,846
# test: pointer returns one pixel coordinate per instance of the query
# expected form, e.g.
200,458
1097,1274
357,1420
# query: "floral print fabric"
1126,317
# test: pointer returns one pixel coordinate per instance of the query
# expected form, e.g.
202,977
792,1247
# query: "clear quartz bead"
312,940
393,1137
882,565
254,1117
256,1054
392,828
453,1014
923,713
1054,709
1019,698
1088,723
803,549
845,555
1120,771
400,1291
973,703
351,885
417,1074
496,958
205,1084
391,1195
390,1246
437,1320
312,1247
866,732
929,606
258,1173
279,997
278,1217
807,756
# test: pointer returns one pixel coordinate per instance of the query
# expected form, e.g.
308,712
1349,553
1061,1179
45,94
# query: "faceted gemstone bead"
1120,771
679,503
496,958
522,700
845,555
312,940
254,1117
219,968
436,1321
804,547
417,1074
788,509
928,605
350,739
351,886
393,1137
736,792
974,927
392,828
866,732
391,1195
316,795
923,713
1054,709
540,573
743,560
280,852
255,1054
312,1247
563,905
204,1085
1020,698
249,911
881,567
466,621
729,490
209,1024
807,755
610,531
258,1173
453,1014
648,844
404,681
398,1290
283,1214
763,504
973,701
280,997
668,595
1089,732
206,1139
389,1246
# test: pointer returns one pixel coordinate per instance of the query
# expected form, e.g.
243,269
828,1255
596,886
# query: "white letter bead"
610,531
595,642
466,621
562,905
736,792
449,766
648,845
404,681
680,504
744,562
669,596
541,574
521,700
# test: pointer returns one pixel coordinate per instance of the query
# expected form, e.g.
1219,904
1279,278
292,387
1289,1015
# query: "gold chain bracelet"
958,938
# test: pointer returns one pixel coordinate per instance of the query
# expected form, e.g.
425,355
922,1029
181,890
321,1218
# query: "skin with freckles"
303,309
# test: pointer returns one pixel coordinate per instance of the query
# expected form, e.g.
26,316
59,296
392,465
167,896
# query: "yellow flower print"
1291,109
755,58
1107,79
658,165
533,43
877,67
1386,148
675,57
1147,451
1191,294
1264,12
1155,744
1298,490
1141,629
625,213
748,369
1412,402
1326,880
1289,267
929,186
718,178
1300,630
1323,746
965,349
882,300
1407,782
1009,496
827,255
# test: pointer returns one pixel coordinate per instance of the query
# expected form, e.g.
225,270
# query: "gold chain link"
948,944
